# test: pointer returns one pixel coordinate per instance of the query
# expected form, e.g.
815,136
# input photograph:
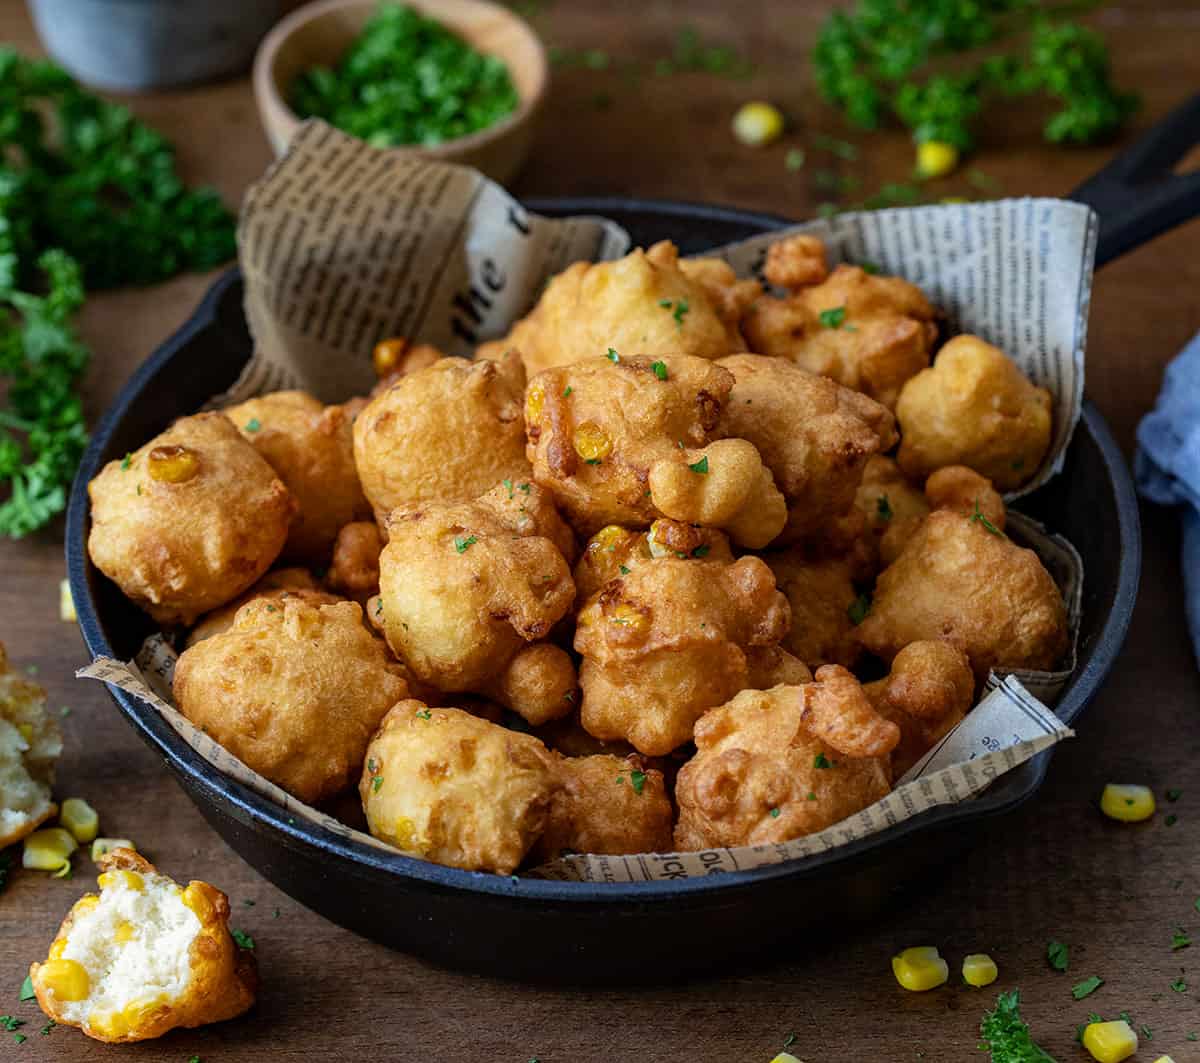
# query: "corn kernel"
172,464
66,604
387,354
195,898
936,158
124,932
49,850
592,443
1110,1042
535,399
109,1024
104,846
785,1057
1164,1059
626,616
657,549
607,538
80,819
757,124
130,880
65,979
1127,803
919,969
979,969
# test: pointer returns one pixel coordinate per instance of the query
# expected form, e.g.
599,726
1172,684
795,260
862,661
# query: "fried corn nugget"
623,440
821,594
445,433
772,666
814,435
451,788
892,507
310,446
730,296
958,581
144,956
760,775
293,690
30,744
869,333
276,585
965,491
606,805
397,356
974,407
644,302
466,587
667,642
188,521
354,569
927,693
796,262
836,710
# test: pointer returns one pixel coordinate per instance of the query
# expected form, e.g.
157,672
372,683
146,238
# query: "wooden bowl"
320,33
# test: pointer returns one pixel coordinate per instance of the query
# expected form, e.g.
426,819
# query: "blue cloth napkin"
1167,465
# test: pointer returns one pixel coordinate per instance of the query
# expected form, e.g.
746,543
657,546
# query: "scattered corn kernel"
592,443
979,969
80,819
172,464
919,969
131,880
104,846
758,124
1110,1042
1126,802
535,399
387,354
66,979
49,850
607,537
66,604
936,158
124,932
627,616
1164,1059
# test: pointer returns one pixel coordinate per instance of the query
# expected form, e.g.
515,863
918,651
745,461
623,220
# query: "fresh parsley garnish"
567,391
774,813
1058,955
701,550
253,425
612,356
244,940
700,466
834,317
1087,987
869,267
11,1022
821,761
794,160
637,779
126,461
508,484
27,992
624,569
1174,795
424,714
811,796
1179,985
463,545
859,608
1004,1034
883,508
660,369
981,518
1171,819
1180,939
681,309
376,783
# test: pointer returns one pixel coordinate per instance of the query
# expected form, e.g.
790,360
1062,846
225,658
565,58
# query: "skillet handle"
1136,195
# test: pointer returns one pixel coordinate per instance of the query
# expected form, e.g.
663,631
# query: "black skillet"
577,932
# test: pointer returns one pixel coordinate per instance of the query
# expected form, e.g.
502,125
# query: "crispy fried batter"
445,433
189,520
820,593
796,262
276,585
965,491
30,744
760,775
892,507
354,569
449,787
293,690
974,588
310,447
974,407
882,336
668,641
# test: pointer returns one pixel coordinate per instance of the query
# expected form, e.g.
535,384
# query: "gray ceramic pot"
144,44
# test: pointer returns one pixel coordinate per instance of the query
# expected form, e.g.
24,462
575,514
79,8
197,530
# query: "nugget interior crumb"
30,742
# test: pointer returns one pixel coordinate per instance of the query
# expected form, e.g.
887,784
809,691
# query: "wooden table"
1056,869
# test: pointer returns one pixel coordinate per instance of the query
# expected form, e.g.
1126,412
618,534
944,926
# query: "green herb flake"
811,796
612,356
791,1040
637,779
700,466
660,369
774,813
794,160
834,317
822,762
702,550
376,783
508,486
243,940
20,1038
1087,987
126,461
45,1030
979,517
11,1022
681,309
1180,939
1174,795
423,714
625,570
463,545
1179,985
27,992
379,606
1057,955
870,267
859,608
883,508
567,391
1171,819
1147,1032
253,425
1004,1033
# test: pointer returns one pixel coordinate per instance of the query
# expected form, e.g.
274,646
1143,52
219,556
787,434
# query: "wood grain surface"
1054,870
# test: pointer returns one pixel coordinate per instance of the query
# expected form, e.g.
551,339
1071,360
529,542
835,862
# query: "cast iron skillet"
580,932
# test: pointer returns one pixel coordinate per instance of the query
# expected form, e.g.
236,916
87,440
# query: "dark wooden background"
1056,869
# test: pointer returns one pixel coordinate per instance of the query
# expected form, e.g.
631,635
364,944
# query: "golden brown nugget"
928,691
729,295
760,776
772,666
466,587
960,582
643,302
451,788
293,690
354,568
965,491
796,262
30,745
188,521
836,710
311,448
974,407
815,436
625,439
445,433
608,806
144,956
276,585
869,333
670,640
822,596
892,507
